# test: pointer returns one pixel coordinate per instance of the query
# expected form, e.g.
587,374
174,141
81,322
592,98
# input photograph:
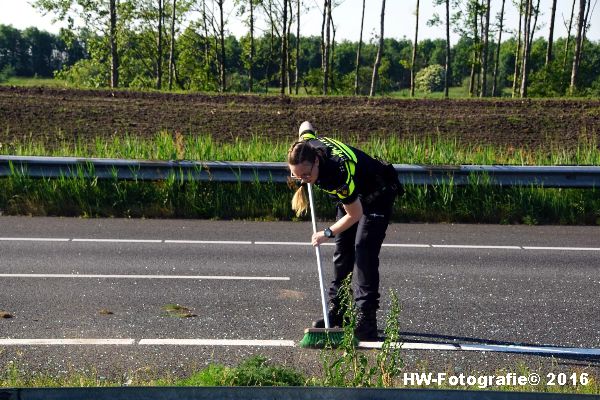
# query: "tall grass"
477,202
428,150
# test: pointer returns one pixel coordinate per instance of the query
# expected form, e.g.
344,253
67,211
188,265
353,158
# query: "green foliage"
313,81
6,72
85,73
346,366
550,81
595,88
32,52
255,371
81,55
430,79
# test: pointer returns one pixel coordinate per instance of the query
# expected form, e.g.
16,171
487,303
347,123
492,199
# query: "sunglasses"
303,176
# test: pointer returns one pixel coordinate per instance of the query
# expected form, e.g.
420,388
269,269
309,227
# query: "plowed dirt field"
53,115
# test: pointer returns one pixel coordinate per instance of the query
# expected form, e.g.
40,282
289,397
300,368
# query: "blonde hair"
300,152
300,202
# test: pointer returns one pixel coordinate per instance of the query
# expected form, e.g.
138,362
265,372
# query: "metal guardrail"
273,393
277,172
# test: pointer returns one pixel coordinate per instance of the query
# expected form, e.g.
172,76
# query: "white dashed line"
541,350
66,342
216,342
20,239
564,351
563,248
191,277
271,243
405,245
207,242
284,243
470,246
412,346
118,240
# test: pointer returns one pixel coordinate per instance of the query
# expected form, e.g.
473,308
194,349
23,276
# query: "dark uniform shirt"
345,172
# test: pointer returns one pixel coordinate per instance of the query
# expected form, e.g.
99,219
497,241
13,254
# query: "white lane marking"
532,349
405,245
562,248
564,351
65,342
191,277
472,246
119,240
579,351
411,346
207,242
292,243
216,342
285,243
249,242
20,239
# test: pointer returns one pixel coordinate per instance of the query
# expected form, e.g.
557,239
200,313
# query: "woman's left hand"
318,238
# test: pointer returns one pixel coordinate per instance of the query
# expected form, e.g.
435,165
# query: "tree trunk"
551,34
497,59
222,38
526,49
251,66
414,53
535,11
585,22
518,53
114,54
283,61
159,49
323,36
358,51
172,49
475,12
271,51
206,41
578,46
332,52
484,55
297,79
447,68
567,43
288,52
379,54
326,44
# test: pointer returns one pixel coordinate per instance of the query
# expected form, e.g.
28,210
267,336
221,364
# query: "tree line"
184,44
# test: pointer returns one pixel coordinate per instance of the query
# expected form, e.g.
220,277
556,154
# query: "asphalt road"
469,284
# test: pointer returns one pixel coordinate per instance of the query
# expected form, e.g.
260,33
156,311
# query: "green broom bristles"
318,338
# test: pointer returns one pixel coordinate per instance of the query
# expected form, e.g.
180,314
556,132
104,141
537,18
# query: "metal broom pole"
318,251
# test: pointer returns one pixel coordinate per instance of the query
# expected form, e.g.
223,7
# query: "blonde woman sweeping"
364,189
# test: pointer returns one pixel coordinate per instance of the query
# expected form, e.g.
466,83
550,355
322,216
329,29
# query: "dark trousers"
360,245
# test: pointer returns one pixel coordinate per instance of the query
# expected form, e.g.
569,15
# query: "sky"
399,18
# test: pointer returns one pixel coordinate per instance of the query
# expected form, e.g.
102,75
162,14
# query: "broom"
320,337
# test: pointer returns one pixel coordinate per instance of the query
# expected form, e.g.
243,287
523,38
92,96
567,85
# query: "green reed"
477,202
428,150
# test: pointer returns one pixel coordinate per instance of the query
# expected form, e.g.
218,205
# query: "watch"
328,233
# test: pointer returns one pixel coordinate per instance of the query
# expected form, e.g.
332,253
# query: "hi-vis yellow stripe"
349,154
308,135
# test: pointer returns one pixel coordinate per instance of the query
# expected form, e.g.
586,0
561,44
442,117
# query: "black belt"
373,196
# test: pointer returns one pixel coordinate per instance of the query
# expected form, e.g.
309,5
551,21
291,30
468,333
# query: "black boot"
366,325
335,315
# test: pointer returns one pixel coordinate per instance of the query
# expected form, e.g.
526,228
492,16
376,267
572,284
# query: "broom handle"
318,251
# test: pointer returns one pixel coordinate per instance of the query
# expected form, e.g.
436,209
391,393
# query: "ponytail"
300,203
